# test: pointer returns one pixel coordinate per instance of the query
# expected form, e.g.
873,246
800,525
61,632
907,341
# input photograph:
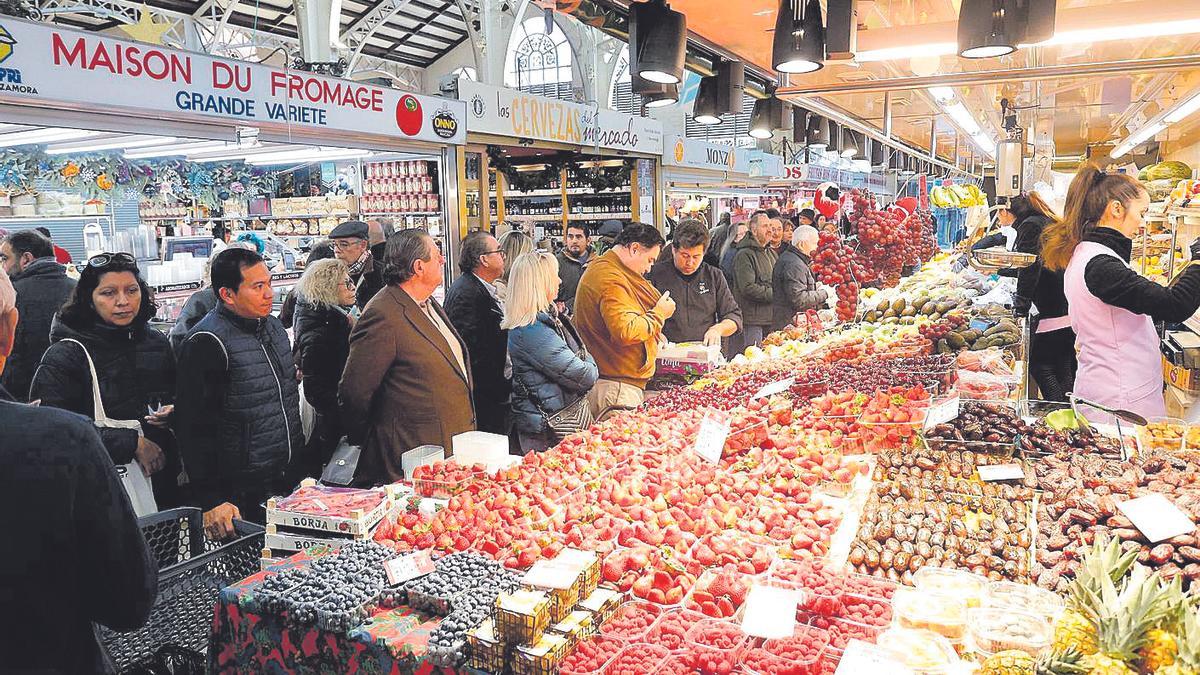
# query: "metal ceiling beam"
1073,70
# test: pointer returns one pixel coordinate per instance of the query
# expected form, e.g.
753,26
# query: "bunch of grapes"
889,239
939,329
835,264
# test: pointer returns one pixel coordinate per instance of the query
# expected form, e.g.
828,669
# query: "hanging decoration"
599,178
102,175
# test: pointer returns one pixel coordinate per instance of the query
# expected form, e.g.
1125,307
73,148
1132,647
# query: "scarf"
357,267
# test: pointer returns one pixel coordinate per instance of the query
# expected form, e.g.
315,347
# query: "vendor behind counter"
705,310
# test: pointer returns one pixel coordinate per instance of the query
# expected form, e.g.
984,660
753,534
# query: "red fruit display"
637,659
631,621
715,647
718,550
842,631
590,655
670,630
834,264
719,593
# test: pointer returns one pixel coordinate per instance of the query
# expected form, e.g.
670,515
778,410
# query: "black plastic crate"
191,573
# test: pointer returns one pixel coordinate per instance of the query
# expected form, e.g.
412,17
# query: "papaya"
956,340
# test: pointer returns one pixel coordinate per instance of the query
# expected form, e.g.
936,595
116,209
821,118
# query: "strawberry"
718,586
737,592
662,580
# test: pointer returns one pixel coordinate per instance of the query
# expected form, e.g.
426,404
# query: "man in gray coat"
752,267
795,288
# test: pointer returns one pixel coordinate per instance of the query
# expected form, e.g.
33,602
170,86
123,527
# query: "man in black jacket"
351,246
573,259
237,409
794,287
705,310
42,287
475,312
83,559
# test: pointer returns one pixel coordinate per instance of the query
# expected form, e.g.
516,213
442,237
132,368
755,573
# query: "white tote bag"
137,484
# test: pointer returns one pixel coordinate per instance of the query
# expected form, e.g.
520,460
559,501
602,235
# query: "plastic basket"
188,585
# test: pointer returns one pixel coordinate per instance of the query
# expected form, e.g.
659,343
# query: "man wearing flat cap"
351,245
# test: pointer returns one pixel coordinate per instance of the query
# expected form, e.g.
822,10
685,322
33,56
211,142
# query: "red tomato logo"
408,115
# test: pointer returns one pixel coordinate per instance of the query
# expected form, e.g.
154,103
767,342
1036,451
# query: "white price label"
408,567
993,472
941,412
771,612
551,574
710,441
774,388
1156,517
862,657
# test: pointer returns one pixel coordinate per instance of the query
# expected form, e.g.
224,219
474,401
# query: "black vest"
260,418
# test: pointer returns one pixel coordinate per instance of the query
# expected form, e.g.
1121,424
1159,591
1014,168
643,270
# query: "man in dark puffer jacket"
237,410
42,287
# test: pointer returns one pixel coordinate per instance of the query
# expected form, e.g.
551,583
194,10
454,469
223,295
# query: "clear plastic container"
924,652
590,656
956,583
645,657
670,629
1162,433
940,613
803,650
631,621
714,641
871,587
883,436
996,629
1025,598
759,661
841,631
868,610
732,604
730,547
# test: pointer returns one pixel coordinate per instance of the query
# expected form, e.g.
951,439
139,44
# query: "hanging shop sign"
50,65
508,112
696,154
812,173
764,164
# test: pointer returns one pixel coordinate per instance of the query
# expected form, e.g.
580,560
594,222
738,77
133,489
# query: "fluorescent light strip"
907,52
1184,109
111,144
942,94
984,142
43,136
959,113
180,149
300,158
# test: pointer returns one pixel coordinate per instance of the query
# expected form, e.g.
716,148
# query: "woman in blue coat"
550,367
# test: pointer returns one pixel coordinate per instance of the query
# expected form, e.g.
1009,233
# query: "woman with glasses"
515,244
102,331
325,312
551,368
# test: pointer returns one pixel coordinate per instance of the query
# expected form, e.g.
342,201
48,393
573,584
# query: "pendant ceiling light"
768,116
706,110
989,28
849,143
800,131
661,95
835,138
818,132
799,43
659,41
878,153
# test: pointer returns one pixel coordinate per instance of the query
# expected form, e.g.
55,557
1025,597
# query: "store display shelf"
531,216
599,216
373,214
342,214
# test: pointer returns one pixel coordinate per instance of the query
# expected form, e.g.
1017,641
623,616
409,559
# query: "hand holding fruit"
149,456
665,306
218,523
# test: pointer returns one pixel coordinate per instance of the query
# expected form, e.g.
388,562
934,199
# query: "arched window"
465,73
539,62
622,96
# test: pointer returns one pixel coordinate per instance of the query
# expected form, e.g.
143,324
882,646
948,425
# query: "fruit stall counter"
246,637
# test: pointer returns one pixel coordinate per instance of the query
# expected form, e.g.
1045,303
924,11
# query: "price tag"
710,441
980,324
771,612
1156,517
774,388
994,472
862,657
408,567
550,574
941,412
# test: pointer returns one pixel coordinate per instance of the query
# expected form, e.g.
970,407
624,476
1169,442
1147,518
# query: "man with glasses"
351,245
705,310
42,287
475,311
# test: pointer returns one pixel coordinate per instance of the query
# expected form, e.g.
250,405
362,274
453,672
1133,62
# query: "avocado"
955,340
898,305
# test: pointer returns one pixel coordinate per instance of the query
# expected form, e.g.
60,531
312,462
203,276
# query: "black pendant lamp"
706,109
768,116
800,132
799,44
878,154
989,28
835,138
660,41
661,95
818,132
850,143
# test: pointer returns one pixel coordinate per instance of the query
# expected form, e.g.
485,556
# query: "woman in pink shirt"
1111,307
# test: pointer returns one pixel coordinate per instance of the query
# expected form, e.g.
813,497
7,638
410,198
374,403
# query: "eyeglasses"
348,282
502,252
106,259
344,244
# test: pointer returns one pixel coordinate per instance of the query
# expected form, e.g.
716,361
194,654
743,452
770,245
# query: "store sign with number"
58,68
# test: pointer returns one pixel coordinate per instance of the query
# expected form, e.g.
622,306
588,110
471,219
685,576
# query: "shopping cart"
191,572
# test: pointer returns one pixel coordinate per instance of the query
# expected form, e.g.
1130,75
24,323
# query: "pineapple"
1075,629
1187,661
1160,646
1008,662
1060,663
1123,620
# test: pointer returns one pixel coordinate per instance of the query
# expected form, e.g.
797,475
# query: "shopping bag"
342,465
308,415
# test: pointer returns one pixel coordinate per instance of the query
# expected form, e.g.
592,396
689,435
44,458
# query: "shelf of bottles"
584,203
400,187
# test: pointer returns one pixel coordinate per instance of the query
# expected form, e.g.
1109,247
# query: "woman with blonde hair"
325,306
515,244
552,372
1112,308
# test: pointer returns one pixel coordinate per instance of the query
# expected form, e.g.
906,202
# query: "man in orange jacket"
620,317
